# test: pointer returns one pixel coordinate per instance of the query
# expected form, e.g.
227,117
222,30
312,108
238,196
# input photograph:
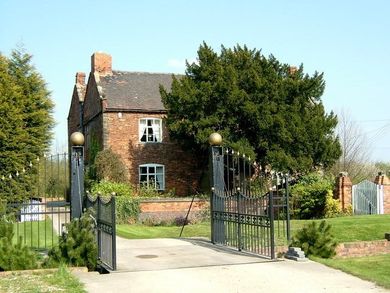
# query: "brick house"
123,111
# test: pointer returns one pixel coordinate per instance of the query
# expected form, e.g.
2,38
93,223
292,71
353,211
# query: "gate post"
77,174
216,171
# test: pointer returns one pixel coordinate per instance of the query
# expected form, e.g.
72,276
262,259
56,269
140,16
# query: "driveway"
195,265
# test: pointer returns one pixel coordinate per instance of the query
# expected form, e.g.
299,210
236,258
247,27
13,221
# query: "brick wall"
385,181
362,248
343,190
169,209
122,133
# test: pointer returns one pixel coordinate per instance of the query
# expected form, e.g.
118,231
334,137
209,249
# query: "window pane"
149,122
152,170
159,170
143,170
159,182
143,178
142,130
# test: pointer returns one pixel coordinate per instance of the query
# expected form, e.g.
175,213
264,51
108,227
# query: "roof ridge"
143,72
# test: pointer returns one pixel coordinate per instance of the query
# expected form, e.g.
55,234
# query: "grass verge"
371,268
354,228
345,229
60,280
138,231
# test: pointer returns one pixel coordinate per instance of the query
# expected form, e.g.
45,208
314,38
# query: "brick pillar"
382,179
343,190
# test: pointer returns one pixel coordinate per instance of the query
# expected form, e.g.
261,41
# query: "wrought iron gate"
104,210
245,214
367,198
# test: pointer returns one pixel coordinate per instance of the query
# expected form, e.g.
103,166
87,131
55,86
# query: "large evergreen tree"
26,124
260,106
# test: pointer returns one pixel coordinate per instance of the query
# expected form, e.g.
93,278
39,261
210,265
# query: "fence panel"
43,210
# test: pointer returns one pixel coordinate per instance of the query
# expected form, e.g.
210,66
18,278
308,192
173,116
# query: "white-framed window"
150,130
152,176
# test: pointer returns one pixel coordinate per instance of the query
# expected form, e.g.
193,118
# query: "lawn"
345,229
372,268
36,234
138,231
354,228
60,280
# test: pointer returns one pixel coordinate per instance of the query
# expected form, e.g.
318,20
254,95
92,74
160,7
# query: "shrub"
315,240
110,167
108,187
332,206
127,209
14,256
309,196
148,192
77,246
126,204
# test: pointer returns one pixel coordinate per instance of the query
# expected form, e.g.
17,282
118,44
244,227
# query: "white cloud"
180,63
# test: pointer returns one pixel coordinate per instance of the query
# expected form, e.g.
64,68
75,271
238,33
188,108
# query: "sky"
349,41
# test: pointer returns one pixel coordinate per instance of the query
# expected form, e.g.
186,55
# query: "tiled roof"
136,91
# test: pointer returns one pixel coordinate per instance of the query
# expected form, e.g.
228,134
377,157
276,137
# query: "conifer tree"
26,123
262,107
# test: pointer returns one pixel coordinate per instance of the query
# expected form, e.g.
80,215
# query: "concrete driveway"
195,265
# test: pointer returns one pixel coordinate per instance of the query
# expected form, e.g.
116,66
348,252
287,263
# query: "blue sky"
347,40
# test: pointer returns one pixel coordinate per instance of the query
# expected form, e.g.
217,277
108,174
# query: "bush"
108,187
126,204
315,240
332,206
148,192
14,256
127,209
309,196
77,246
110,167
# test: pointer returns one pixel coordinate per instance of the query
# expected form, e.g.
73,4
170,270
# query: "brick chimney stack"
101,63
80,78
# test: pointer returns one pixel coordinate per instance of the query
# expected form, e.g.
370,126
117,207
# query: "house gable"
118,107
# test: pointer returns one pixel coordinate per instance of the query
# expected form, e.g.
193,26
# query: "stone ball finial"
77,139
215,139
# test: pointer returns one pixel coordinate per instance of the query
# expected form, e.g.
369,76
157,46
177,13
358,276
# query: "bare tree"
356,150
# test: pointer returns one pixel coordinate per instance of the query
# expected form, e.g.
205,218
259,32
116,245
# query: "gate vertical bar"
287,210
272,227
99,233
113,222
239,222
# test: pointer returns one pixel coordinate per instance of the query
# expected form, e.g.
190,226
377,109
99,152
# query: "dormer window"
150,130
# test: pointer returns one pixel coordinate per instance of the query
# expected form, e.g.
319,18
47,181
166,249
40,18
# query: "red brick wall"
169,209
172,205
93,102
74,115
362,248
385,181
343,190
181,173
